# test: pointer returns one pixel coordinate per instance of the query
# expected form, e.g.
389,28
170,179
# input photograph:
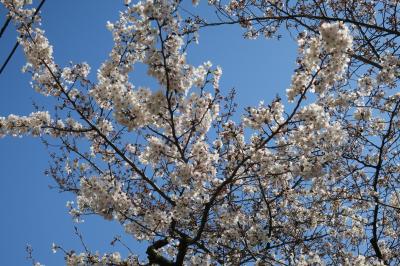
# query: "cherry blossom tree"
310,179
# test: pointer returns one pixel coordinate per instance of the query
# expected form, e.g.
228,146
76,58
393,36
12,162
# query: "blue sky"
31,211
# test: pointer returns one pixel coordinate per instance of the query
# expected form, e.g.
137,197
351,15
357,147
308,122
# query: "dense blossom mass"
310,179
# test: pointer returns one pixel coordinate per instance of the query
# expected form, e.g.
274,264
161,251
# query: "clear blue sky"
30,211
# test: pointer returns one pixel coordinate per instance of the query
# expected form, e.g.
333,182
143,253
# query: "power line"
3,29
17,43
9,57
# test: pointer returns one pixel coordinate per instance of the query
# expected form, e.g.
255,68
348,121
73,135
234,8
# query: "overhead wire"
5,25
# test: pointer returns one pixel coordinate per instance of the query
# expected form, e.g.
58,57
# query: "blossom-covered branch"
310,179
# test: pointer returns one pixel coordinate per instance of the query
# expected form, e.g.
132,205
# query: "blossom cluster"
20,125
74,259
390,70
323,62
40,123
105,197
137,108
